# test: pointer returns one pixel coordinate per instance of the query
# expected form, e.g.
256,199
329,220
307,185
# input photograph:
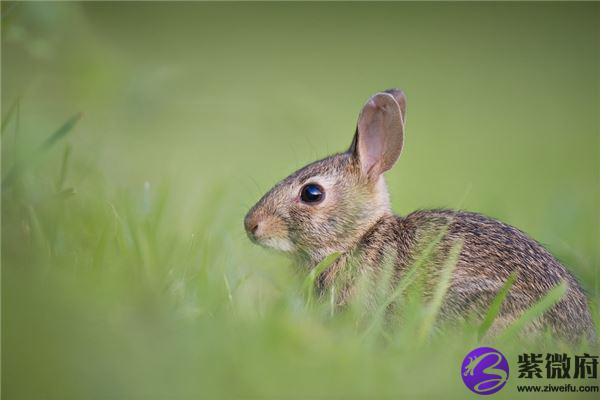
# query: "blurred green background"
128,274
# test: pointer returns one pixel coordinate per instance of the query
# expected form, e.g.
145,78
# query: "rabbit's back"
491,251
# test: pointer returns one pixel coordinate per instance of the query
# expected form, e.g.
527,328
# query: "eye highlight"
312,193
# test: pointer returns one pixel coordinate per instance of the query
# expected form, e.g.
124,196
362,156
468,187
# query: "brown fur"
355,220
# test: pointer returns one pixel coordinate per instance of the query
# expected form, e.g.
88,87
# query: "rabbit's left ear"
380,132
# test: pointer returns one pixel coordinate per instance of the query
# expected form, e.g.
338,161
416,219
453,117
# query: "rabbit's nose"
253,228
251,225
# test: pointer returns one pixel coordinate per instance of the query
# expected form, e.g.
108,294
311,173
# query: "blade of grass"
60,133
100,250
309,281
407,279
228,287
332,301
37,232
494,308
66,193
64,167
440,291
13,110
551,298
383,286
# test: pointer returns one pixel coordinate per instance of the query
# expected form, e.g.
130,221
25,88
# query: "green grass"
126,273
494,308
105,289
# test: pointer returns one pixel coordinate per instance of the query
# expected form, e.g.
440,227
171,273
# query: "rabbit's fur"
354,219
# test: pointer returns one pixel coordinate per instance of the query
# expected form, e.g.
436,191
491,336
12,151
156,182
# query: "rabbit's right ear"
379,133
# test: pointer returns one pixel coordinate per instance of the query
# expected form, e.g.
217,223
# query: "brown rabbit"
341,204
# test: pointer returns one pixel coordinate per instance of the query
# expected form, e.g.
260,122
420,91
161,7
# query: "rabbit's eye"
312,193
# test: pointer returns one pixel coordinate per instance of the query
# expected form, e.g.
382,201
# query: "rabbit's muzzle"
251,224
268,231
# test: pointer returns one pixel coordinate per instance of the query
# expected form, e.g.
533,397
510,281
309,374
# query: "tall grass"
104,290
126,273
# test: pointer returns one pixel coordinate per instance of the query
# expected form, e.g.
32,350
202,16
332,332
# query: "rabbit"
340,204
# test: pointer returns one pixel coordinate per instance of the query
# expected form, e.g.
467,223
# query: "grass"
159,313
494,308
126,273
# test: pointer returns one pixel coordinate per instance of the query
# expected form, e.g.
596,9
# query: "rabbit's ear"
380,132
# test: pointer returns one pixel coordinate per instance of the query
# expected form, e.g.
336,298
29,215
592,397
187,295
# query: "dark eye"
312,193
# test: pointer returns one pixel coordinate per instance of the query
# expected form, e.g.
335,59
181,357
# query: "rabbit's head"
330,204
